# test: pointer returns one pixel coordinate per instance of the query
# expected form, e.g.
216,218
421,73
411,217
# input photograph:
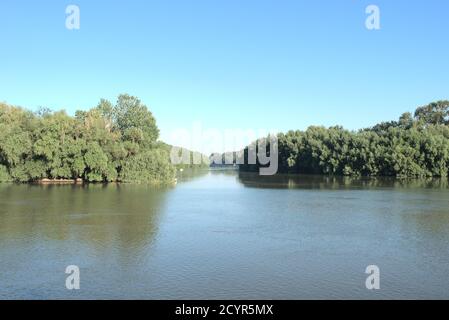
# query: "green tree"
130,115
106,143
434,113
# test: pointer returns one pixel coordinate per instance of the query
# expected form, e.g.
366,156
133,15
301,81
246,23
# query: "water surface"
221,235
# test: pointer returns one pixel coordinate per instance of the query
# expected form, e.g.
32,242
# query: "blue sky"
229,63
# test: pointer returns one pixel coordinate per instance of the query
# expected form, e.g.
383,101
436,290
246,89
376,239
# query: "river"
225,235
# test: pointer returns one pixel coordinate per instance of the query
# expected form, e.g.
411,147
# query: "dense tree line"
111,142
414,146
119,142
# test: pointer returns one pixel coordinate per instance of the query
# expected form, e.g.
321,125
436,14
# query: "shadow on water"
107,230
290,181
124,216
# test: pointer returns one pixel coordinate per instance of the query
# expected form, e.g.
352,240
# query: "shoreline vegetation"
415,146
109,143
119,143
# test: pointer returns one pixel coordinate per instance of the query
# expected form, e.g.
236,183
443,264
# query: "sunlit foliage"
414,146
111,142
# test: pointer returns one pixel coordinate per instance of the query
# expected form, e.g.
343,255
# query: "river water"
225,235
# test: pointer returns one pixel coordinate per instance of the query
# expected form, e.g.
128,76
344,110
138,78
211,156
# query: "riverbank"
59,181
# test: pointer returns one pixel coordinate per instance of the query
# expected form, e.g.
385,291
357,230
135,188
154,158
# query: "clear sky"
229,63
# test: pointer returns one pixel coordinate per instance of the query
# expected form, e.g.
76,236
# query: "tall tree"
434,113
